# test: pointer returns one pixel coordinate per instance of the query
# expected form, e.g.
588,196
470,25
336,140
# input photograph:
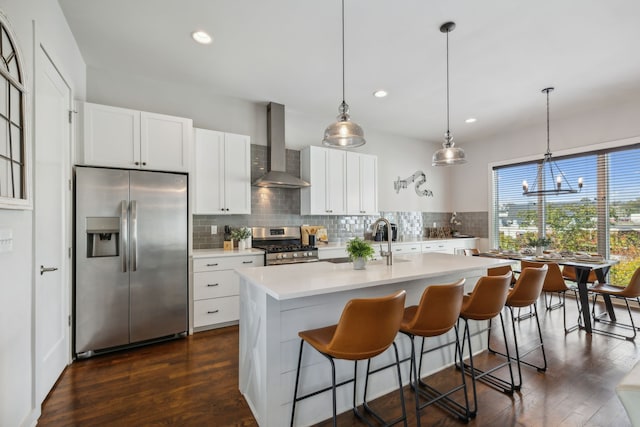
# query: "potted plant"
539,243
241,234
359,252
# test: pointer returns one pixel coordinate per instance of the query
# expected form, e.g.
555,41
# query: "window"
13,170
604,217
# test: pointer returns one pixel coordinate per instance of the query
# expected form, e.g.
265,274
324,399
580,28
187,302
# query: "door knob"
44,269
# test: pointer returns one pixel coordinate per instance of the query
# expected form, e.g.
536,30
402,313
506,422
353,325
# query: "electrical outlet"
214,229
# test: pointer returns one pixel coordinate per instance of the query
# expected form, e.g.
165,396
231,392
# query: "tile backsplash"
281,206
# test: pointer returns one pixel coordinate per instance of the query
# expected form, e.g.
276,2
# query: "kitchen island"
279,301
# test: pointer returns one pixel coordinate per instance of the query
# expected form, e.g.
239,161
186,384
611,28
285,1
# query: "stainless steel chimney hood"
276,153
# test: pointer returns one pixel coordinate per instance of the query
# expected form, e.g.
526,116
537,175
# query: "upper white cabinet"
325,169
124,138
362,184
342,182
222,171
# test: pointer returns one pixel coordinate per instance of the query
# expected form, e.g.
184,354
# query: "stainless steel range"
282,245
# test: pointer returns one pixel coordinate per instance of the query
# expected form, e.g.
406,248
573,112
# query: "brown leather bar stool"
554,284
484,303
367,328
471,252
524,293
436,315
631,291
502,270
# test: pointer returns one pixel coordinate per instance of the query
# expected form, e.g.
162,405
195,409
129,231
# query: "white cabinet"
124,138
443,246
216,289
325,170
341,182
362,184
222,172
405,248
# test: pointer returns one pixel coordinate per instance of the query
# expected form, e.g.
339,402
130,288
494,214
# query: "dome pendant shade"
343,133
449,154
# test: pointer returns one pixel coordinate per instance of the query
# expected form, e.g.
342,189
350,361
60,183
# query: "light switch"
214,229
6,240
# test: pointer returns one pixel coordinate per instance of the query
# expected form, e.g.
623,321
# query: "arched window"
13,156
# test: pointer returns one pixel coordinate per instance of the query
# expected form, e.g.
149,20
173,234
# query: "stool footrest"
488,378
442,399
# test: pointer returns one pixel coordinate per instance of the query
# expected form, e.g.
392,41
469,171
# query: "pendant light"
449,154
555,174
344,133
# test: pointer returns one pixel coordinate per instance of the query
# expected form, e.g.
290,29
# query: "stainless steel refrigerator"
131,258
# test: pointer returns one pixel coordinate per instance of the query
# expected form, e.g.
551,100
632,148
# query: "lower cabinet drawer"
214,284
216,310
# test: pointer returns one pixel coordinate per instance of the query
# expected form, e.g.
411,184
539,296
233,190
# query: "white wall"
17,405
397,156
470,182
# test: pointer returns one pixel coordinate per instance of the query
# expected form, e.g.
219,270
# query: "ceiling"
502,53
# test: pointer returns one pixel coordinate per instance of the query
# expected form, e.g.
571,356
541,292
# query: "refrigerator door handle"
134,235
124,233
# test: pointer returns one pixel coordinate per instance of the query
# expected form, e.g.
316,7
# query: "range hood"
276,153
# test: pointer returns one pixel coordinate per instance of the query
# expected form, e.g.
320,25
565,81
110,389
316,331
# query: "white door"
52,213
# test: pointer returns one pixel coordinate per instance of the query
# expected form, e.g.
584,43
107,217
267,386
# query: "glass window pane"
14,107
17,182
571,219
516,215
4,178
4,83
624,213
16,139
4,138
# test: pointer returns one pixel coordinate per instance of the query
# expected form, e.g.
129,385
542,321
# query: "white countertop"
284,282
343,243
219,252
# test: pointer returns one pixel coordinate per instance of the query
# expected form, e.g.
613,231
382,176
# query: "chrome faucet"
388,254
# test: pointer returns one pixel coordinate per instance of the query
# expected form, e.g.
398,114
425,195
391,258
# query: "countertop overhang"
285,282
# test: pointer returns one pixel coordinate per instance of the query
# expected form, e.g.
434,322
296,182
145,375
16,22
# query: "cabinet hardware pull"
44,269
247,262
211,285
136,163
212,265
144,163
213,312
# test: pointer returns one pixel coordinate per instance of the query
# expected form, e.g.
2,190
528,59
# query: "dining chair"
471,252
502,270
630,292
435,315
569,273
554,284
485,302
524,293
367,328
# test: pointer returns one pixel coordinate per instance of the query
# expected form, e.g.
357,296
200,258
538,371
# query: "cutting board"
320,232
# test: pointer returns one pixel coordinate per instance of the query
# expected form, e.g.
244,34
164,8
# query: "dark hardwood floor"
194,382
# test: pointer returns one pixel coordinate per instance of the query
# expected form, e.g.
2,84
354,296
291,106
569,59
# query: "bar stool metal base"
599,318
487,376
367,409
520,356
431,394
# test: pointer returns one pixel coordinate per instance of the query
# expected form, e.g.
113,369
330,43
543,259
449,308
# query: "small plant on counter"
358,248
240,233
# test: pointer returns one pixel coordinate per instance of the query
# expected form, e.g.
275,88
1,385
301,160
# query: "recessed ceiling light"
470,120
380,93
201,37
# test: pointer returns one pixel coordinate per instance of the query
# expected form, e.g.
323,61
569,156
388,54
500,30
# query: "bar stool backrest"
367,327
553,281
528,287
438,310
500,271
488,297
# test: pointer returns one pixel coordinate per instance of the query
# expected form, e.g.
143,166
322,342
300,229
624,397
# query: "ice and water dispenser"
103,236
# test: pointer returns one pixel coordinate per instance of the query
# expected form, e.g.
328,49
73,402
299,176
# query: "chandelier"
562,185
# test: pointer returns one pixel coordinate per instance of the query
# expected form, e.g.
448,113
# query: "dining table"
583,267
